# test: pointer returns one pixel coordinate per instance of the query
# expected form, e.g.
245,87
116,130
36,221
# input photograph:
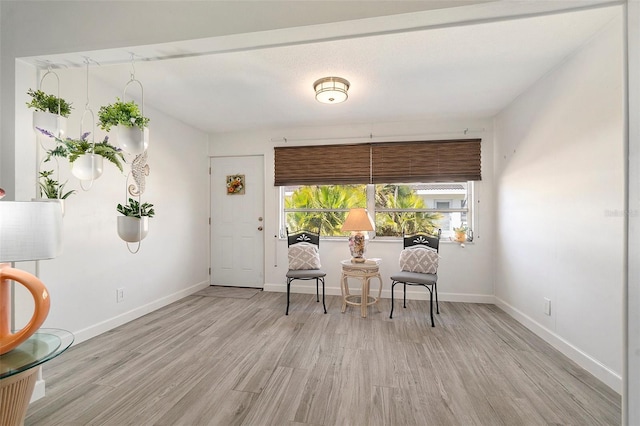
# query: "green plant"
326,206
121,113
51,188
41,101
135,209
71,149
461,228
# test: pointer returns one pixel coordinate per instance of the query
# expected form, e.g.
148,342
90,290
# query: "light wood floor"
231,357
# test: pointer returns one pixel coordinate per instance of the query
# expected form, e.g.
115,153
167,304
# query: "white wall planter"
133,229
53,123
52,200
132,139
88,167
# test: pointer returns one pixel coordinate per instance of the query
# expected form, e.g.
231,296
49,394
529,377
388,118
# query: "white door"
237,236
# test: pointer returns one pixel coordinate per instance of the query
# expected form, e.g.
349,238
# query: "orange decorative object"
9,340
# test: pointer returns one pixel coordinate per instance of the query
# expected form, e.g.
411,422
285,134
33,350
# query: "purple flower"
84,136
46,132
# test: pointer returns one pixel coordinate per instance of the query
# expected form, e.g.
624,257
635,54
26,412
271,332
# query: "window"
394,207
311,206
371,175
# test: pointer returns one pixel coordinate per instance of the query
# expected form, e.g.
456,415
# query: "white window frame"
370,188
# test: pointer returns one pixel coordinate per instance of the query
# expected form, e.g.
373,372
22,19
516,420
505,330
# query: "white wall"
560,200
173,259
464,274
631,390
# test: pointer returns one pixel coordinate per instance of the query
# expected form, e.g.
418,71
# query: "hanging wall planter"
53,123
51,111
73,149
53,200
128,118
133,229
51,190
133,226
87,160
130,123
87,167
132,139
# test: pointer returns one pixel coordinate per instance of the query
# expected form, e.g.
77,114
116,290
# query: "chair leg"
392,285
323,305
288,291
405,294
433,324
435,288
317,295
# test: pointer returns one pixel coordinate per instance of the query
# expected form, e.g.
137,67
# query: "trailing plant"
51,188
41,101
121,113
71,149
135,209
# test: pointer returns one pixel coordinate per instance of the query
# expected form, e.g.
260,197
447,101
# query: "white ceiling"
473,70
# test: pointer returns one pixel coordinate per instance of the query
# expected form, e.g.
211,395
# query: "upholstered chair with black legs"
304,261
419,266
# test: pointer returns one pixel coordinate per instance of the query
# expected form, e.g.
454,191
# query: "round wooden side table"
364,272
19,371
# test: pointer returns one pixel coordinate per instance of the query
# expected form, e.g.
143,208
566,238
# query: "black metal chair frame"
425,240
313,274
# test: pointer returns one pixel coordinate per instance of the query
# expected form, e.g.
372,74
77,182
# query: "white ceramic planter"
133,229
88,167
53,123
52,200
132,139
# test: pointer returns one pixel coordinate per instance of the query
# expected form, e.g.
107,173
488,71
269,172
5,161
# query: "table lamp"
29,230
358,220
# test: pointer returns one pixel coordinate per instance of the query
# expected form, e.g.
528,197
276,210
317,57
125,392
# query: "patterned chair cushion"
419,259
304,256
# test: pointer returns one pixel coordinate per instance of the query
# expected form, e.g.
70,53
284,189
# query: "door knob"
259,228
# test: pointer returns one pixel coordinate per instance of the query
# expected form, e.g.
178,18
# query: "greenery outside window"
326,206
394,207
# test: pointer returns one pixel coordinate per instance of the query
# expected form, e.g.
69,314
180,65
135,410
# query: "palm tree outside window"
396,207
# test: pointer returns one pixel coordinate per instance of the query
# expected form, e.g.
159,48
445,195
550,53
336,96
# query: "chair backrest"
422,239
303,236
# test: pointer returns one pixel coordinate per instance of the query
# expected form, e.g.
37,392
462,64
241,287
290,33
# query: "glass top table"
42,346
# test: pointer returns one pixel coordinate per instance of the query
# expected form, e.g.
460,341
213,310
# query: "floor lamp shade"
29,230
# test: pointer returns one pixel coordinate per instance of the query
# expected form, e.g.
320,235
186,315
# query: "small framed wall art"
235,184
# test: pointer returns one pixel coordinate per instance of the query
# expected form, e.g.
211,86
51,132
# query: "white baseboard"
413,292
593,366
111,323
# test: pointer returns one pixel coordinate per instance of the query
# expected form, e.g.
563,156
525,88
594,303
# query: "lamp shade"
331,90
358,219
30,230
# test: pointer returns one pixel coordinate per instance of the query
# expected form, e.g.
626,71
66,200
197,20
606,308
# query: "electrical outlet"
547,306
119,295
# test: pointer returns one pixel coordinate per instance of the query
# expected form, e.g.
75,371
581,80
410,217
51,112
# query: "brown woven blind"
428,161
322,164
394,162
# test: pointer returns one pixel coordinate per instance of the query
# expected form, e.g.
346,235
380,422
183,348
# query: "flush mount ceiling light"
331,90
